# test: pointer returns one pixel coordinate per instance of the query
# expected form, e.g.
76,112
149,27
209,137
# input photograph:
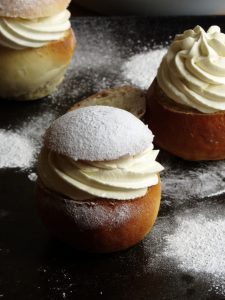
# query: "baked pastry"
186,102
126,97
98,187
36,47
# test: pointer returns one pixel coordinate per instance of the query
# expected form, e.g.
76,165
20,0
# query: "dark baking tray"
35,266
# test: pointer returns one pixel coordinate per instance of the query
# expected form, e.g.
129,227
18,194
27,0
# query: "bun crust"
185,132
30,9
34,73
128,98
99,225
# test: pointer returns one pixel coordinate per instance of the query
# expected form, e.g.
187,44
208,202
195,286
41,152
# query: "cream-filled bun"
186,101
99,185
36,47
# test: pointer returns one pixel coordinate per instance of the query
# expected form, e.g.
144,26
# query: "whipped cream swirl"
16,33
192,73
122,179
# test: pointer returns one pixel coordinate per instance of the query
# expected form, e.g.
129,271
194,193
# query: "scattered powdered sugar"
32,176
60,281
95,65
35,127
197,245
183,180
141,69
19,147
16,151
190,243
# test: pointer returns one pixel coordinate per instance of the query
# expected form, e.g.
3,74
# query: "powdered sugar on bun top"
30,9
98,133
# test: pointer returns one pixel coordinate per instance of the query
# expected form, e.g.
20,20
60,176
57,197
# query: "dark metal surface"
35,266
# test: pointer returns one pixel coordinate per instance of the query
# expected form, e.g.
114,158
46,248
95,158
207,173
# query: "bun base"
184,131
34,73
98,225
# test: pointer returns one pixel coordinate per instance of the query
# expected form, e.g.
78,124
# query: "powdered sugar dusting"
183,180
91,215
97,215
32,176
31,8
12,149
98,133
19,147
190,242
197,245
101,62
141,69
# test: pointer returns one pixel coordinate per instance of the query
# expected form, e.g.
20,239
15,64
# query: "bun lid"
98,133
31,9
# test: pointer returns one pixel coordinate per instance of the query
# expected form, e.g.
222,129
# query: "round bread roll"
34,56
99,223
34,73
184,131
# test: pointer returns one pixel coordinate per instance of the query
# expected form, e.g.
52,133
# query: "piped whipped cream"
192,73
122,179
16,33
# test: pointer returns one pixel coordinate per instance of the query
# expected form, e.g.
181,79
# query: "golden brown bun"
125,97
98,225
35,73
184,131
31,9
